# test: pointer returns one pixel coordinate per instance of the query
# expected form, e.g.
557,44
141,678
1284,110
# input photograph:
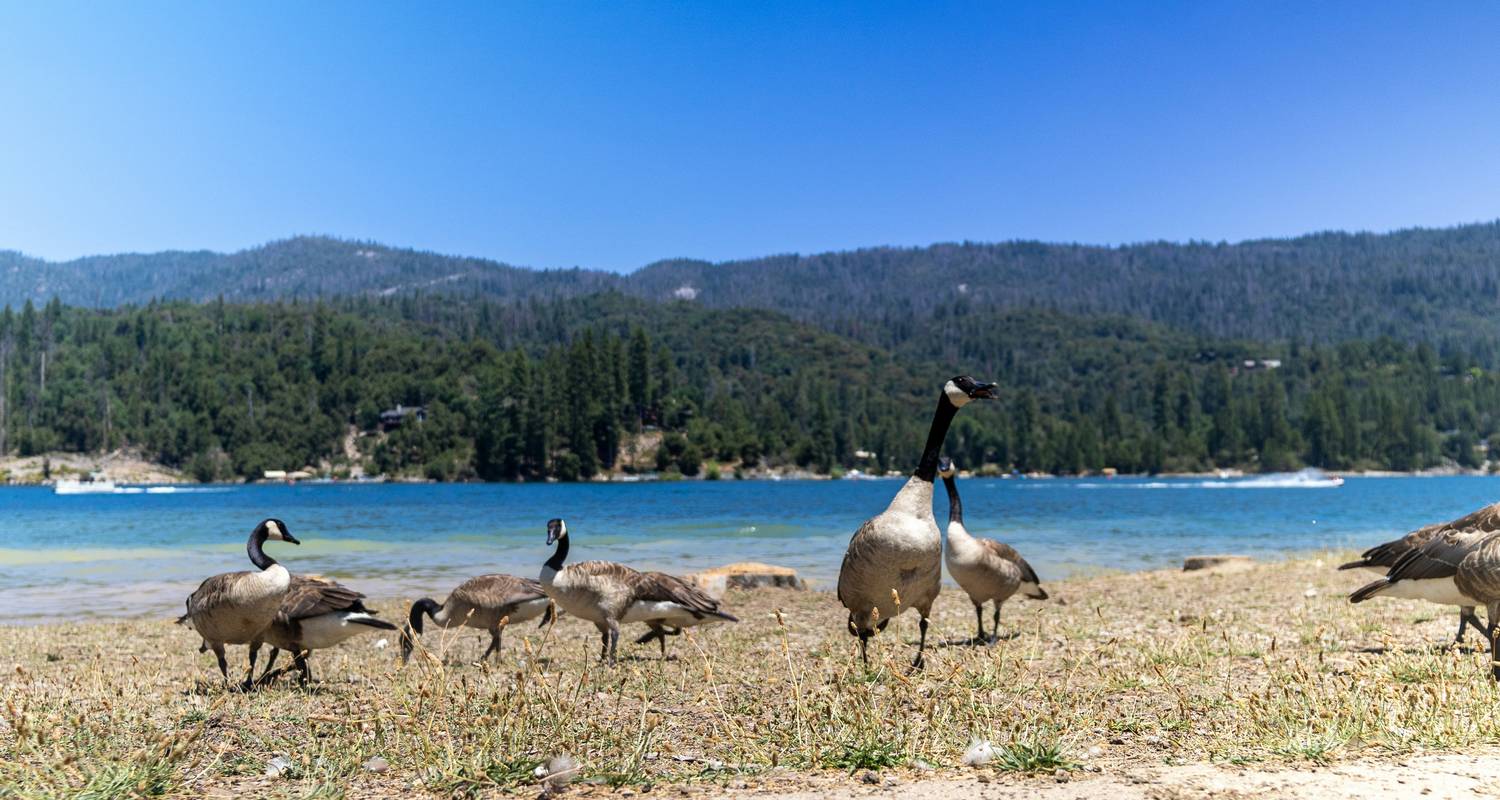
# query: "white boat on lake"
95,485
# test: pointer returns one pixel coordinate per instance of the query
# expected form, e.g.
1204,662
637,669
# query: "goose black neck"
955,506
258,556
559,555
424,606
941,419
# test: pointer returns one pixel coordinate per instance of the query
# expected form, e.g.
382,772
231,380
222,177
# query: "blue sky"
609,135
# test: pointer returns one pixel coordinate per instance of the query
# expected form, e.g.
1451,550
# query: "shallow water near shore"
142,553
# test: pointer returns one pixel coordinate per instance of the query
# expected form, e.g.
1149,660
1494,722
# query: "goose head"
946,469
556,529
273,529
960,389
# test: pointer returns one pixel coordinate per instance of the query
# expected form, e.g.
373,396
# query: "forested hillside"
1438,286
552,388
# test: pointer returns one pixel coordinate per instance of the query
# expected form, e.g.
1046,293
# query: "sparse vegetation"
130,708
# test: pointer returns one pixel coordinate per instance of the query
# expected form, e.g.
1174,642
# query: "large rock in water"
1223,563
748,575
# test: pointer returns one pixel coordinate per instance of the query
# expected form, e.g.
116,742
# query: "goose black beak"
985,391
288,537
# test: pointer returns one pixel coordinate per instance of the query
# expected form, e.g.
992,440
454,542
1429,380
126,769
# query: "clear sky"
609,135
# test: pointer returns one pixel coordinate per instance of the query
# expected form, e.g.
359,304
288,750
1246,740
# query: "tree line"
575,387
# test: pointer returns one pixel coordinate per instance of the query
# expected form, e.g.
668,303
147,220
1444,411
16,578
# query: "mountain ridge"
1414,284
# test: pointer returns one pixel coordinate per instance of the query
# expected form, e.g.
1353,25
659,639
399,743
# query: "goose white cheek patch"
956,396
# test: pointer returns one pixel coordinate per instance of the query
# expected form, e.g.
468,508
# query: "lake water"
133,554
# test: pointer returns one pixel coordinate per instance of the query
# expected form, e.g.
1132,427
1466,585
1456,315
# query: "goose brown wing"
1005,551
497,591
1485,520
211,592
659,586
1438,558
1387,554
311,596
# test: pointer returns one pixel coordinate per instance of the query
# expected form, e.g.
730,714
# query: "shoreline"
142,474
1229,680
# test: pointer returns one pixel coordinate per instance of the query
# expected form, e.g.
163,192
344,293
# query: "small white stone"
1311,592
381,644
377,764
278,766
980,752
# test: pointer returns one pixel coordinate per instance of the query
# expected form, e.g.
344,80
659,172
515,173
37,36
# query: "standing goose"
1436,588
895,560
1382,557
237,607
316,614
487,602
608,594
984,568
1461,566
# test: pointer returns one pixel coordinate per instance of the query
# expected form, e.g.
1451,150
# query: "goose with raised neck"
237,607
987,570
894,560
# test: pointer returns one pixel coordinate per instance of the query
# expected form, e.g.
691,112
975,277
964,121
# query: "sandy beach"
1154,684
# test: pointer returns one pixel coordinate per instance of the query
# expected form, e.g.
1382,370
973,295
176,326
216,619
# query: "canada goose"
1382,557
1459,566
608,594
1440,589
237,607
487,602
984,568
316,614
895,560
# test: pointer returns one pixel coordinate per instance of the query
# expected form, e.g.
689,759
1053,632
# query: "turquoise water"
132,554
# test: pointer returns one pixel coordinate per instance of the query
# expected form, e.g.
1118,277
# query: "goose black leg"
266,675
603,643
995,634
979,622
614,640
1466,618
494,645
921,644
250,674
864,648
223,663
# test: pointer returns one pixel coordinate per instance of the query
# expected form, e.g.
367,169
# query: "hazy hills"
1429,284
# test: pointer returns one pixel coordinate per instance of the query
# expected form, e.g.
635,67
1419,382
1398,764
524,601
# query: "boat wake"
1305,479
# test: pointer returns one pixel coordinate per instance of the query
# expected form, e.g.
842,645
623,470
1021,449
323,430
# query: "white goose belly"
529,610
1442,591
237,624
664,611
984,582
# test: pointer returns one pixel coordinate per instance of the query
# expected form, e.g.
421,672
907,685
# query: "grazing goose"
487,602
1382,557
316,614
1462,567
984,568
895,560
1435,589
608,594
237,607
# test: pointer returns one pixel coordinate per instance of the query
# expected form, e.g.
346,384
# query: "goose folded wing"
1438,558
497,591
1485,520
1005,551
310,597
659,586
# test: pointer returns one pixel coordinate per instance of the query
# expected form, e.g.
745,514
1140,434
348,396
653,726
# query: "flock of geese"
893,563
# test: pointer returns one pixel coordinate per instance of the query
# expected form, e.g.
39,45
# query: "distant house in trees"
393,418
